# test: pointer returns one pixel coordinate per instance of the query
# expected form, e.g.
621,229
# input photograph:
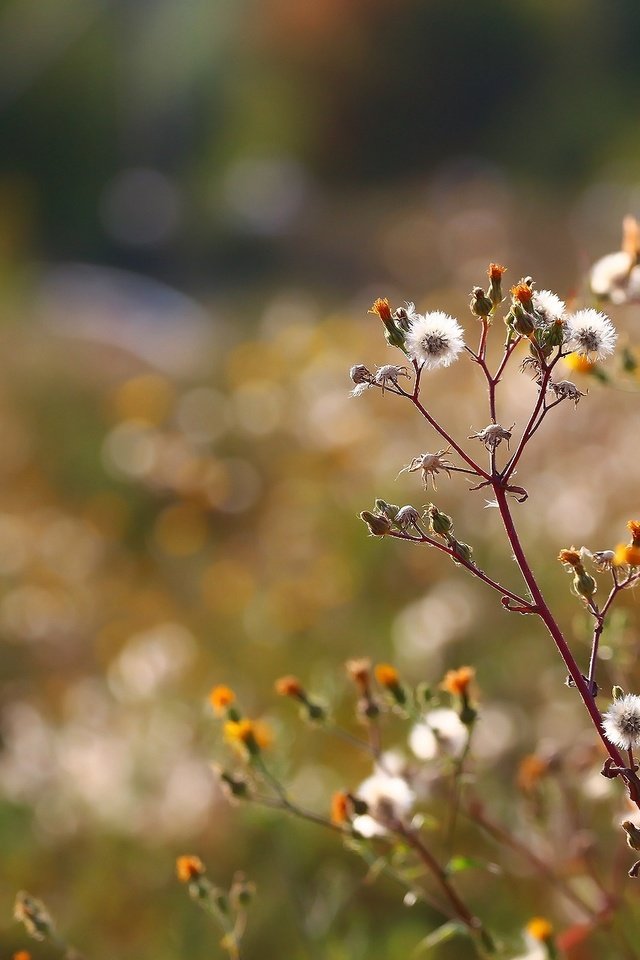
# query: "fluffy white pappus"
621,722
616,277
386,796
550,307
590,332
434,339
441,730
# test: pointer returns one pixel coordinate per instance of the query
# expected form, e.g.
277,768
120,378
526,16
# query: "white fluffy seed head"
591,333
434,339
550,307
621,722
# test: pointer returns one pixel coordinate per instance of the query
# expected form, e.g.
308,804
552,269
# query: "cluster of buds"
458,684
584,585
249,736
482,304
396,324
311,710
388,517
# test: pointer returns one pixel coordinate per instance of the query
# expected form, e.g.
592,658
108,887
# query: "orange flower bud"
382,309
339,808
289,686
220,698
386,675
457,681
188,867
22,955
495,271
360,671
634,527
540,929
571,557
523,293
532,769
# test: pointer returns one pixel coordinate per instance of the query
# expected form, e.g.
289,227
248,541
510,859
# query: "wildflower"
388,510
430,464
434,339
495,273
389,375
189,867
565,390
621,722
407,516
221,697
388,799
394,335
634,527
457,681
440,730
522,293
549,307
540,929
248,734
616,276
590,333
571,558
579,363
626,555
22,955
492,436
339,808
388,677
290,686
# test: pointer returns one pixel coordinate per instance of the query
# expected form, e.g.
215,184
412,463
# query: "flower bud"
522,321
388,510
480,305
584,584
494,273
242,892
463,551
378,526
440,523
617,693
393,334
633,834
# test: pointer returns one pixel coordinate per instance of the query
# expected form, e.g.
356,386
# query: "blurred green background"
198,203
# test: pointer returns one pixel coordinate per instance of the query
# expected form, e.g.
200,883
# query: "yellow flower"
579,363
627,554
540,929
253,735
220,698
188,867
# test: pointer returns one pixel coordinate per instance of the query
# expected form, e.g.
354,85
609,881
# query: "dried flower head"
621,722
571,557
388,375
492,436
406,517
565,390
434,339
359,670
189,867
590,333
430,465
458,681
34,915
634,528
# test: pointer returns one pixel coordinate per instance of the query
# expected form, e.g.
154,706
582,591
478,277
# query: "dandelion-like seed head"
387,798
548,306
434,339
591,334
621,722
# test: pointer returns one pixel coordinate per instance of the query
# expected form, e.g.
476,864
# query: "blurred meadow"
199,202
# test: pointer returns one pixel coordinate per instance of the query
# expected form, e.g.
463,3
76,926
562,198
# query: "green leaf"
459,864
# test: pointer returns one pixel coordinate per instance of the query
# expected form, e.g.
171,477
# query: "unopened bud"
617,693
314,712
522,321
584,584
378,526
633,834
480,304
388,510
242,892
463,551
440,523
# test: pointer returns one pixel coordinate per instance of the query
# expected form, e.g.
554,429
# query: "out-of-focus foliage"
198,203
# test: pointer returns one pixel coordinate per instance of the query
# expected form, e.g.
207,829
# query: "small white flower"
621,722
434,339
550,307
441,730
591,332
387,797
